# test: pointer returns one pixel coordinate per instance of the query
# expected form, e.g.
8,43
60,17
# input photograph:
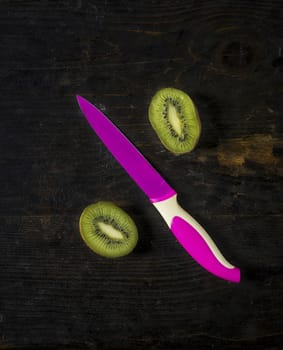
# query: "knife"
190,234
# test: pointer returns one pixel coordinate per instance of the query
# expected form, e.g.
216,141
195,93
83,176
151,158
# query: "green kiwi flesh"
108,230
175,120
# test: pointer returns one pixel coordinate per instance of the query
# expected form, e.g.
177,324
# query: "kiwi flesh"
108,230
175,120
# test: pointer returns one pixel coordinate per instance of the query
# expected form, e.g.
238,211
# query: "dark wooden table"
54,292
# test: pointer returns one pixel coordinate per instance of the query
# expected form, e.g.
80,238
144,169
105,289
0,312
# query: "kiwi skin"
189,121
101,213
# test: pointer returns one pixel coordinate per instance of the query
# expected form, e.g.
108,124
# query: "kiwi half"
108,230
175,120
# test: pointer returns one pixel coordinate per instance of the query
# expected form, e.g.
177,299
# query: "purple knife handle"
200,251
195,240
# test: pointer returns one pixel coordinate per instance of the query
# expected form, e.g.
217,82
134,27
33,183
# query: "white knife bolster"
169,208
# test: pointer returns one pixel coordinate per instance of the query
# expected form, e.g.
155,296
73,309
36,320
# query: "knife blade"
190,234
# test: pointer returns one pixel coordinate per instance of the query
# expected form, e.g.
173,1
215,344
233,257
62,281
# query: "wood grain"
54,292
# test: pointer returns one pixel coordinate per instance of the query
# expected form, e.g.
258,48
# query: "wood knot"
237,55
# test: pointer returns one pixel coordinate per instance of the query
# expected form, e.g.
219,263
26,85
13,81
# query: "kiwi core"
175,120
110,231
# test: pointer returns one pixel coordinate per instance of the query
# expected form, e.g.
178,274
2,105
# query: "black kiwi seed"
108,230
175,120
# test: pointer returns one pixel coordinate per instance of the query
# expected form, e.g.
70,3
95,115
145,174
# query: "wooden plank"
52,283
